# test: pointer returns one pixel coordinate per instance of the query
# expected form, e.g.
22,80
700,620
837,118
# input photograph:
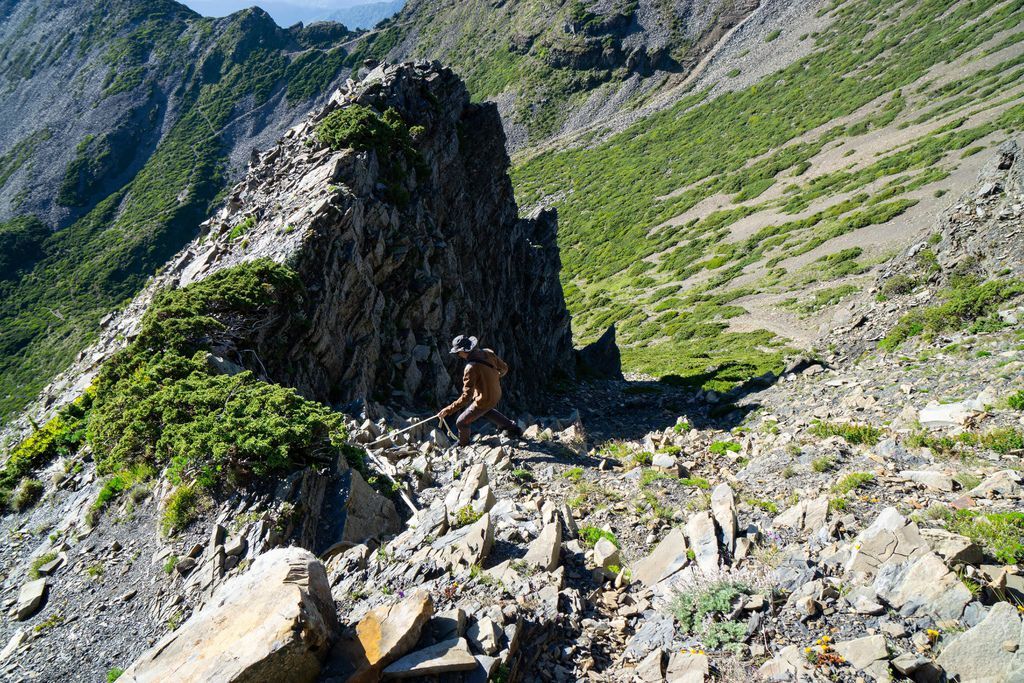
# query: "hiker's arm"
467,393
501,366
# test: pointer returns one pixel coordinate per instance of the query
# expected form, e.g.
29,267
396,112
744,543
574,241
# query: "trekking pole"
402,431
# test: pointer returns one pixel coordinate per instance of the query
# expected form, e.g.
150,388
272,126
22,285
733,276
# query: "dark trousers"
473,413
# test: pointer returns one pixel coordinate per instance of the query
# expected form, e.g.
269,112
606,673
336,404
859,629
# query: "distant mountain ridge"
355,14
367,15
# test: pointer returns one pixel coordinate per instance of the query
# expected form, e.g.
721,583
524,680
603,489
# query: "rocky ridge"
393,270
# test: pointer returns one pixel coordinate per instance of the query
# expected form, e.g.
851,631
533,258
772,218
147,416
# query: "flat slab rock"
667,558
273,623
445,657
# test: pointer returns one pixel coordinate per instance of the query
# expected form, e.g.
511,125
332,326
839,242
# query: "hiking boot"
515,432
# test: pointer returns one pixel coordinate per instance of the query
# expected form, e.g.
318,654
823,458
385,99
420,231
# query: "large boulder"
275,622
923,586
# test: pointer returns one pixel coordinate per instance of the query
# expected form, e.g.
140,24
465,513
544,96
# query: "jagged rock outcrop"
601,358
397,256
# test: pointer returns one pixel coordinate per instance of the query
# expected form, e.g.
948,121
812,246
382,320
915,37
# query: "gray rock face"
700,528
953,548
1001,626
723,508
449,656
889,538
923,586
665,560
545,550
275,622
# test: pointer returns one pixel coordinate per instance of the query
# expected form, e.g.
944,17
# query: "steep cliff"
393,205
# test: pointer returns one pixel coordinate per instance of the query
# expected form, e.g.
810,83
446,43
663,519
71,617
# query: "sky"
284,12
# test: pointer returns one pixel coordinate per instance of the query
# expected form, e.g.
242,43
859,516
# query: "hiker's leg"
503,423
468,416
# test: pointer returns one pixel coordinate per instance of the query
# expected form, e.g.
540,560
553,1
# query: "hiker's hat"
462,343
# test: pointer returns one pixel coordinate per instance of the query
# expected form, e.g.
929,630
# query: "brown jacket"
480,381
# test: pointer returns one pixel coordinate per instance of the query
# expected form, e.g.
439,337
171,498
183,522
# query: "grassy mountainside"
128,119
543,61
705,226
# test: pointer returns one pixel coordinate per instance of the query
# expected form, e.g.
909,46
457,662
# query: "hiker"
481,388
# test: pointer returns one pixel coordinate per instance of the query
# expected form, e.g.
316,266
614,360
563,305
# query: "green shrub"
1000,533
1016,401
897,285
724,634
114,674
853,481
119,483
639,459
46,558
772,35
182,508
968,302
159,405
363,128
522,475
26,494
465,516
838,505
648,477
698,482
723,447
767,505
1003,440
701,613
573,474
682,427
823,464
590,535
62,436
852,433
